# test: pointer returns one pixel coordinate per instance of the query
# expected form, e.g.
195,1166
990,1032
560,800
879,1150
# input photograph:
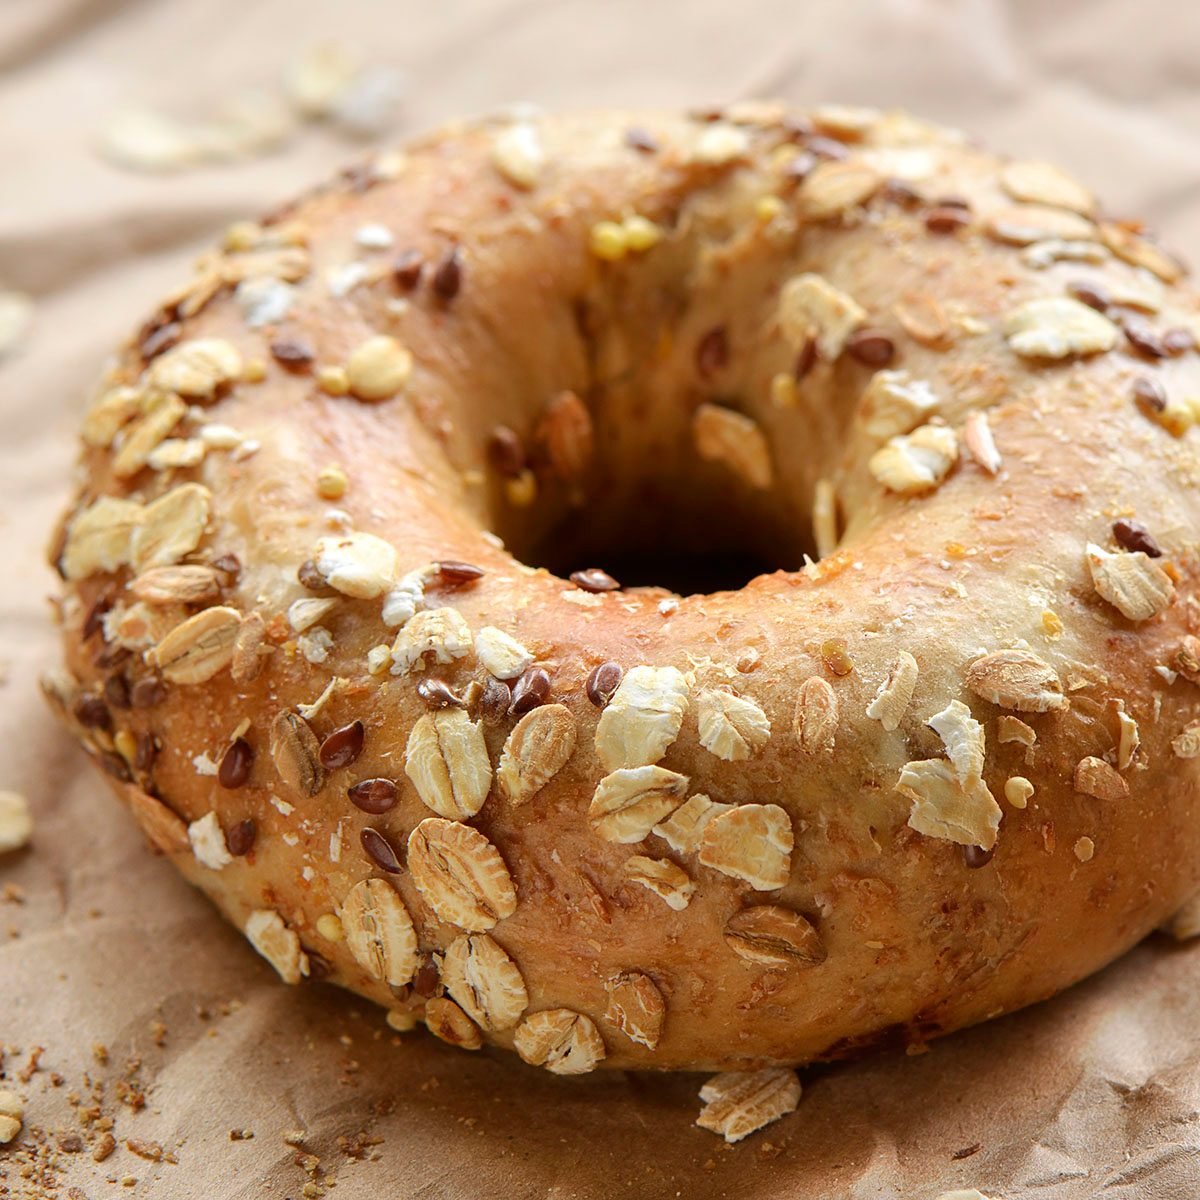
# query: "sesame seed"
447,276
146,751
1092,294
1150,393
603,682
530,691
159,337
234,771
116,691
240,838
148,692
871,347
457,574
593,579
379,850
1178,340
342,746
827,148
437,693
806,359
712,351
1143,338
310,577
293,353
495,701
946,219
406,270
977,856
92,713
373,796
506,452
1133,536
641,140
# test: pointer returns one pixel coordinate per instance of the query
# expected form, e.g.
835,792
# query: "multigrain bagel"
938,769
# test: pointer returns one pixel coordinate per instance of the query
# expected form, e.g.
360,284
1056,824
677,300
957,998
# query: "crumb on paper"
16,822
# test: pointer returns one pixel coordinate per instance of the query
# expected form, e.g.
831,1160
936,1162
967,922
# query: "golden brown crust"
941,773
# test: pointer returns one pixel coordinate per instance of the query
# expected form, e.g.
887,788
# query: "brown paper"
1096,1093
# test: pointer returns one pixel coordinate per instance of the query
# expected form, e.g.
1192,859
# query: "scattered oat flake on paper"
16,311
16,822
737,1103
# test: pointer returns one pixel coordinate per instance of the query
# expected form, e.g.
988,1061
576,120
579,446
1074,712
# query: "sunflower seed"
1043,183
1094,777
981,445
831,188
518,154
16,822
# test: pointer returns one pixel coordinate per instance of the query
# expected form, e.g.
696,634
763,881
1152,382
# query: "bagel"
344,624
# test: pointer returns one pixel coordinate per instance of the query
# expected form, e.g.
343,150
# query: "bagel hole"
707,548
682,573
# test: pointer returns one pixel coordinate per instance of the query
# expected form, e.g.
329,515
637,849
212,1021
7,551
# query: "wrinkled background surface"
1093,1094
